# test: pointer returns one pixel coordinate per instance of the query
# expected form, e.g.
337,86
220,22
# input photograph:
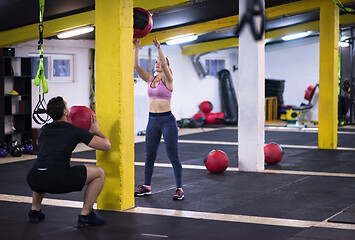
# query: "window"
57,67
62,68
214,66
144,63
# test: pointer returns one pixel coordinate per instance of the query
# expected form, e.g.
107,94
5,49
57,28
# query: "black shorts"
57,179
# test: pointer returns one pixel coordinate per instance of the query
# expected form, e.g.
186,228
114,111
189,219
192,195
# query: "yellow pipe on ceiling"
210,26
199,28
192,49
55,26
52,27
159,5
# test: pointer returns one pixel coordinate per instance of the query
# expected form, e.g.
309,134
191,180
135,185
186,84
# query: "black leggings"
158,124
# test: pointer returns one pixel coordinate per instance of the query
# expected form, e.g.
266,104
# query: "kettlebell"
14,148
3,150
28,146
16,151
11,145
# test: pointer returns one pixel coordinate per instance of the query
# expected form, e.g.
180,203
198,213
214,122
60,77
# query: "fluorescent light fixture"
295,36
344,44
181,39
75,32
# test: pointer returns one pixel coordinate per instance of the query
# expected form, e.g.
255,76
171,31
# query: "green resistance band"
345,9
40,77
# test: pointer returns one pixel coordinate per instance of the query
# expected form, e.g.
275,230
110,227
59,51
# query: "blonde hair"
168,62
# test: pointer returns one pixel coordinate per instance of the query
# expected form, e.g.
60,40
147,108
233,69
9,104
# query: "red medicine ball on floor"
80,116
211,118
205,107
219,117
273,153
216,161
198,115
142,22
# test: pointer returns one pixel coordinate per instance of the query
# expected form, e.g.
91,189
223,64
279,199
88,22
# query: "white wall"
76,92
297,62
189,89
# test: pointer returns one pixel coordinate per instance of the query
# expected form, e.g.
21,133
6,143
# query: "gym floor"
310,194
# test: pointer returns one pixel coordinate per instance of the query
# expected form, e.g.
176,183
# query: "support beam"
251,99
55,26
159,5
210,46
296,8
115,101
51,28
210,26
196,29
328,75
193,49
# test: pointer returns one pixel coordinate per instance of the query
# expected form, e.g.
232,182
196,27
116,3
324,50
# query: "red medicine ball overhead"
80,116
205,107
273,153
142,22
216,161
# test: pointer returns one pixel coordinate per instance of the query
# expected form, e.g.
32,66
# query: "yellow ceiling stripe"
210,26
296,8
196,29
209,46
51,28
158,5
192,49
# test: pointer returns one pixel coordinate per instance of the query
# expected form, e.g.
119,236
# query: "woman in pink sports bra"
161,121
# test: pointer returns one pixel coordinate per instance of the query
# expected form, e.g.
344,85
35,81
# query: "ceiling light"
75,32
344,44
181,39
295,36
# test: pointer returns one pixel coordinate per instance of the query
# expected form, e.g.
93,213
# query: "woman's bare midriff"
159,105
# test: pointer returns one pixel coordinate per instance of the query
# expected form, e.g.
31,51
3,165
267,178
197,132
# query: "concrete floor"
310,194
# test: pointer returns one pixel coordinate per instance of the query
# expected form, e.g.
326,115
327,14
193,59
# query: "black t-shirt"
56,142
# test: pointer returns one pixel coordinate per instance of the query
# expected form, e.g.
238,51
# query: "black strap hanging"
40,115
255,8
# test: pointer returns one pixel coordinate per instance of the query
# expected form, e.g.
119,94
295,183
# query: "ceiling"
15,14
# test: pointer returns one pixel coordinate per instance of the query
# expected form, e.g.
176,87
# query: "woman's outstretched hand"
137,42
156,42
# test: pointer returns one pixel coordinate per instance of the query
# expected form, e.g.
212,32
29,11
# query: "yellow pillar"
328,75
115,101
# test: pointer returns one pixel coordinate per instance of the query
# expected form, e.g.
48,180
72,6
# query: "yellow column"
115,101
328,75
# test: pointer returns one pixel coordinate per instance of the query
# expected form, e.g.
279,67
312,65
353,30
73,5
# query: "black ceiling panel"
195,13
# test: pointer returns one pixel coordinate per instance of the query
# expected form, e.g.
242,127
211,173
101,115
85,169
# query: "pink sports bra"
158,92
